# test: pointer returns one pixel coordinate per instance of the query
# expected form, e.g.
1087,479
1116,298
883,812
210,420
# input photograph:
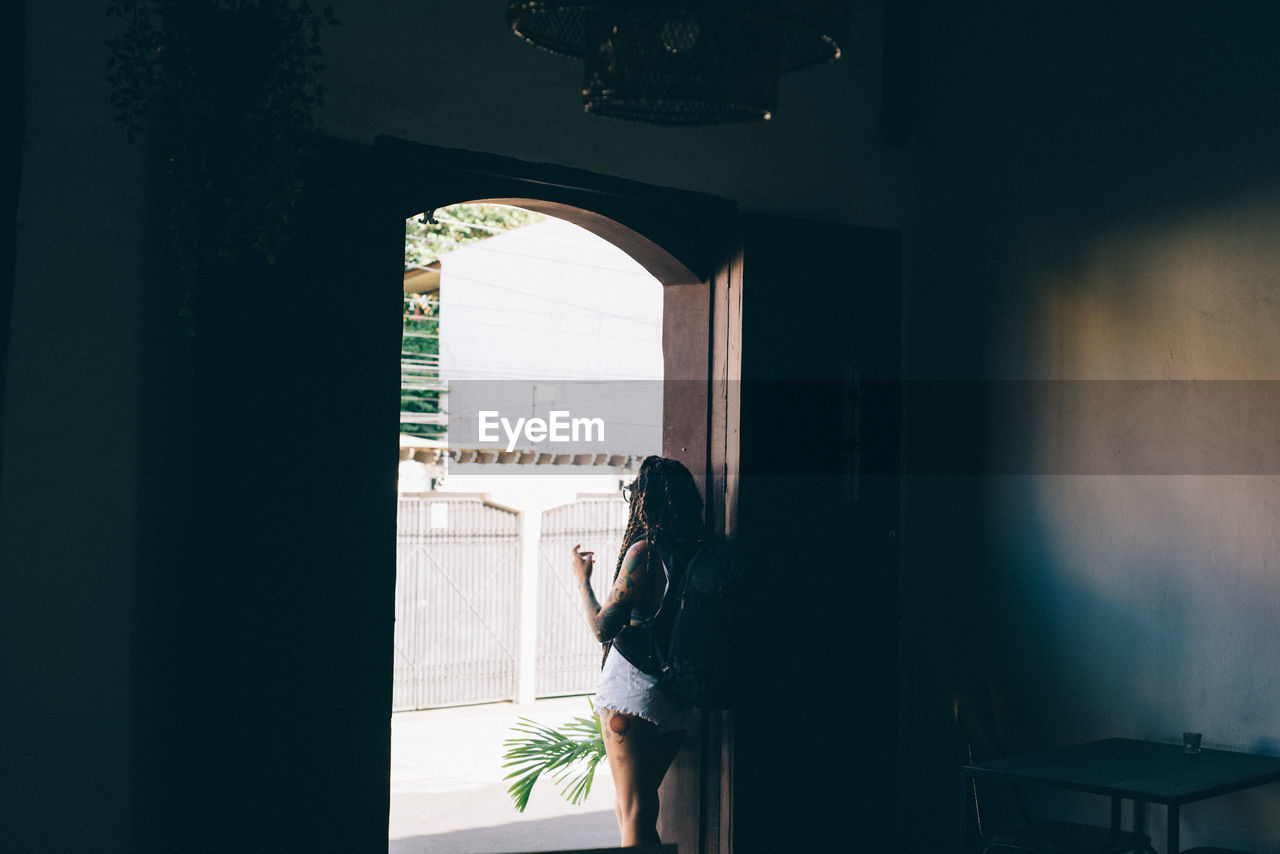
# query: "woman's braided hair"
666,508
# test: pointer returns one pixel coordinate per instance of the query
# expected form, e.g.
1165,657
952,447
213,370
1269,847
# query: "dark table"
1141,771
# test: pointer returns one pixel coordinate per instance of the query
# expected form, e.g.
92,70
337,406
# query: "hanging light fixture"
684,62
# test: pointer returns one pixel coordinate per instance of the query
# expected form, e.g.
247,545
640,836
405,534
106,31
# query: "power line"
566,262
550,299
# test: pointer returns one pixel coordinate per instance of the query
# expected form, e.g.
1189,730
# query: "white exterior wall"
550,301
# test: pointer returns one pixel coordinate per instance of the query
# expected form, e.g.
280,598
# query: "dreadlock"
666,507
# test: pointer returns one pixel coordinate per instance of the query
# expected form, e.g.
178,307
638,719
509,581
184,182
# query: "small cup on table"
1191,742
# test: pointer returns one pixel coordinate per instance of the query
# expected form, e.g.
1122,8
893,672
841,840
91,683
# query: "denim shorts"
623,688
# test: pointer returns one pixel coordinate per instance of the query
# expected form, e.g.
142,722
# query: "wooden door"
816,494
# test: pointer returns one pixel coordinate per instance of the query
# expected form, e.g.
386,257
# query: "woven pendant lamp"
684,63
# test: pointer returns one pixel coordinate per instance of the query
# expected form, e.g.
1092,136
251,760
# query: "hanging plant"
225,90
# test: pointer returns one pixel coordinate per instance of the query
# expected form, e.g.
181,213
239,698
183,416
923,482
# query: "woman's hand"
583,562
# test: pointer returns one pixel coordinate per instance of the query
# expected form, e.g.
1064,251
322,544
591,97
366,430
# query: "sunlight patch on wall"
1195,298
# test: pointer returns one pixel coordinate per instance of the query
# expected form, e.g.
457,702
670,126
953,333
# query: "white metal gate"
568,657
457,573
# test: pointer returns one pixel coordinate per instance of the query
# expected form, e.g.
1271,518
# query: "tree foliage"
457,226
420,362
425,243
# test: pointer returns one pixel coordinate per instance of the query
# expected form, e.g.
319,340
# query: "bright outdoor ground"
448,795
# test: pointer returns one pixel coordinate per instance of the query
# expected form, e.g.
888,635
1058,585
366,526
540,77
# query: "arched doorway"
684,241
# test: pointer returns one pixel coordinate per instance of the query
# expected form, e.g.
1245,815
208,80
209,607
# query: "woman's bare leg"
639,756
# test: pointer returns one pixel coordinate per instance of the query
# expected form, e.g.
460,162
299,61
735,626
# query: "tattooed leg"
618,726
638,759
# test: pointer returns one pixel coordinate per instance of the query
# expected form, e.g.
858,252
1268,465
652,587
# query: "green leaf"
569,755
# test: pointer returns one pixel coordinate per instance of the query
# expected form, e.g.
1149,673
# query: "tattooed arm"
608,619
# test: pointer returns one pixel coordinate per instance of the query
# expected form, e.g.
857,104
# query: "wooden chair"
998,816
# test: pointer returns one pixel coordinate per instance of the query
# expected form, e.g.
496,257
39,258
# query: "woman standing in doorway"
642,725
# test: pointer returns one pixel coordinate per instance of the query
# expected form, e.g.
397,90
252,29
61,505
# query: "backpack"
695,639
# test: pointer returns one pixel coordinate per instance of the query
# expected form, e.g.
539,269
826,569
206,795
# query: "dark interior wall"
68,503
265,609
14,111
1097,201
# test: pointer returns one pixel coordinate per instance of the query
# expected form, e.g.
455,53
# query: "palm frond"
568,755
